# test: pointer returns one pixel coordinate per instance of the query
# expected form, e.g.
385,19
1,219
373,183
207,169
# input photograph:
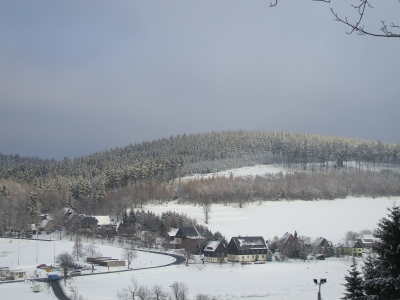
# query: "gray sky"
78,77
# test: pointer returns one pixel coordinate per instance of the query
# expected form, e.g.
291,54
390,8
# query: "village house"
4,271
215,251
249,248
96,221
286,243
186,234
318,246
368,241
352,248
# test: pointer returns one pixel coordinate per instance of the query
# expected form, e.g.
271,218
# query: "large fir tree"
382,274
354,284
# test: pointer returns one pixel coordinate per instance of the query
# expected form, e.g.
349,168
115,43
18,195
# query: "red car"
40,266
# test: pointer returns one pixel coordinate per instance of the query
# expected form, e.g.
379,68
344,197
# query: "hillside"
315,167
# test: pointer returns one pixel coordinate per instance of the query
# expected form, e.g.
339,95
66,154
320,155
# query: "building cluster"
256,249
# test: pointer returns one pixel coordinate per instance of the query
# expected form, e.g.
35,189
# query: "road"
59,292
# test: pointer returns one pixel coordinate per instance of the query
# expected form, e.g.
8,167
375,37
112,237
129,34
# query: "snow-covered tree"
32,205
77,248
354,284
382,274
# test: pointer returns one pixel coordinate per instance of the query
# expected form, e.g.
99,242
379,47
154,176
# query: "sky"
79,77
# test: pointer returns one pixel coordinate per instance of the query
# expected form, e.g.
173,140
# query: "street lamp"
321,281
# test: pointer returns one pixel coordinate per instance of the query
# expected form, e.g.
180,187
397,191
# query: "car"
2,278
53,277
320,256
41,266
311,258
75,273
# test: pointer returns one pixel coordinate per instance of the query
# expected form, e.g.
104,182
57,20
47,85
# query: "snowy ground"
330,219
27,254
273,280
258,170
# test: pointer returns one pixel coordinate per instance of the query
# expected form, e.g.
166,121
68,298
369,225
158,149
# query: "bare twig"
358,27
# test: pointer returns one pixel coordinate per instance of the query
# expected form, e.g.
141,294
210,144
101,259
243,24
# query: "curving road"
59,292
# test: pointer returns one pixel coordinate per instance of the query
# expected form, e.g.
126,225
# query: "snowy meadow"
273,280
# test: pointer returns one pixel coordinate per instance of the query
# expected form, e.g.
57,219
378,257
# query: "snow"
273,280
258,170
211,246
103,220
329,219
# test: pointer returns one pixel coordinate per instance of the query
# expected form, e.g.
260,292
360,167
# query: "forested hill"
108,182
168,158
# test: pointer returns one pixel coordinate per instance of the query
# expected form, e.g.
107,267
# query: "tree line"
108,182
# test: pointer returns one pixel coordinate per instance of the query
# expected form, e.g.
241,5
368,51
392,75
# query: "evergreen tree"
125,218
354,284
368,276
32,205
132,219
382,274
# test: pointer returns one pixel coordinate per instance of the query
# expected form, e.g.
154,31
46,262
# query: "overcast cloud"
78,77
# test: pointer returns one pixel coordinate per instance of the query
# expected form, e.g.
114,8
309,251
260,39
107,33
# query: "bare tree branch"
358,27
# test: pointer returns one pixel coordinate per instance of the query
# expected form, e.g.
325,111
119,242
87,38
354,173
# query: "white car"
75,273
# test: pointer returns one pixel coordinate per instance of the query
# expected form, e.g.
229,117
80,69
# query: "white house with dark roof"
215,251
249,248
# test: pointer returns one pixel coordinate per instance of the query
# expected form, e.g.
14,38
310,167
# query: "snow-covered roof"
190,232
369,239
211,246
285,237
173,232
349,244
44,223
318,241
103,220
250,242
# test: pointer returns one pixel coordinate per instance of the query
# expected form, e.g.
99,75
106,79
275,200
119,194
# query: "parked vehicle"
40,266
311,258
75,273
36,288
320,256
53,277
2,278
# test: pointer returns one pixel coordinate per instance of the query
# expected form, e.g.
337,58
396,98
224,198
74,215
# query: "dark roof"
285,237
90,220
249,242
190,232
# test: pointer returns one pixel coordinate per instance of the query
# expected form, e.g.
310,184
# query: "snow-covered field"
330,219
258,170
273,280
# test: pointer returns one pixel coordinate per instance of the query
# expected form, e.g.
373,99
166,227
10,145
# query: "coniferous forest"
109,182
